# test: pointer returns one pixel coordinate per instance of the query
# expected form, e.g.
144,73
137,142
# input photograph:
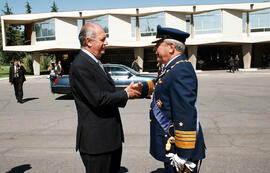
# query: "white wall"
232,23
175,20
119,27
66,31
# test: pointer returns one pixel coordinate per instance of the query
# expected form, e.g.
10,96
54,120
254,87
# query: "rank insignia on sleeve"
159,103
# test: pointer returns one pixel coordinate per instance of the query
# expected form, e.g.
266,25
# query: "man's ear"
88,42
172,48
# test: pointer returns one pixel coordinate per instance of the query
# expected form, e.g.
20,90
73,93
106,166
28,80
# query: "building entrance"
217,57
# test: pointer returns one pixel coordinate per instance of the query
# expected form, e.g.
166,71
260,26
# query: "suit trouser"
102,163
18,88
170,169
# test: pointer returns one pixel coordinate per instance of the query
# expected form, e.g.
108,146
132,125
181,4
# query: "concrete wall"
119,27
66,31
175,20
231,23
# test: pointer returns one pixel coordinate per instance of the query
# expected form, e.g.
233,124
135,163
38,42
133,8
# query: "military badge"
159,103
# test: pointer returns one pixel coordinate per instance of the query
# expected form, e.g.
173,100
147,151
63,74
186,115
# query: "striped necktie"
101,66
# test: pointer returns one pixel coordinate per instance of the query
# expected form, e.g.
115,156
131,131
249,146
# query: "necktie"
101,66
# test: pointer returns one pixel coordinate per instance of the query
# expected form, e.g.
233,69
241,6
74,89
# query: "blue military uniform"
174,110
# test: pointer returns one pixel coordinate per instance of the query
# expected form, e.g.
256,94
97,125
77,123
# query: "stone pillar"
36,63
139,52
192,55
247,51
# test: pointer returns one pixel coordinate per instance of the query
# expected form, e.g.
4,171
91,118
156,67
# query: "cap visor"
157,40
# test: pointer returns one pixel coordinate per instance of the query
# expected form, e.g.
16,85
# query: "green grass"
4,71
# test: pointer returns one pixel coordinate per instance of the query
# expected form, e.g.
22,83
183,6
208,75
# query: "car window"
107,69
118,71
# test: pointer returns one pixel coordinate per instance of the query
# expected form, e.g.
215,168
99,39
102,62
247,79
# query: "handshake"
134,90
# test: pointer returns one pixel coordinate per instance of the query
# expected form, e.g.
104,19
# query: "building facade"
217,32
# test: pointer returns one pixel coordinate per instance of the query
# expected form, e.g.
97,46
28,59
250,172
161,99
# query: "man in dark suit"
17,78
99,131
175,132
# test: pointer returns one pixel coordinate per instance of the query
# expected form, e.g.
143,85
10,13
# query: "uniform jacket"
21,72
99,127
176,93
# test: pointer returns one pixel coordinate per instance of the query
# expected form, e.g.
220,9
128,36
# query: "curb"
27,77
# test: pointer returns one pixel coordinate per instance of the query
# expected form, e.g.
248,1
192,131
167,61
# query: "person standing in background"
135,66
17,78
59,69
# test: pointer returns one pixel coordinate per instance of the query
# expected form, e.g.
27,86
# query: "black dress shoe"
21,101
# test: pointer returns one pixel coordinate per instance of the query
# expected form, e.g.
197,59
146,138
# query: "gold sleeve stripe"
185,139
185,132
185,145
151,87
185,136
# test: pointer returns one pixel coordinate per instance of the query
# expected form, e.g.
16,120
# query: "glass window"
260,21
102,21
118,71
208,23
45,30
148,24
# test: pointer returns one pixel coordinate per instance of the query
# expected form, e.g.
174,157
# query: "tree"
7,10
54,7
14,36
28,8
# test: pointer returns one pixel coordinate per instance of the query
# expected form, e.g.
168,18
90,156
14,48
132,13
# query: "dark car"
121,75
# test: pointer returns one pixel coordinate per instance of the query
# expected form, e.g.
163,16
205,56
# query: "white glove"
176,161
190,165
179,162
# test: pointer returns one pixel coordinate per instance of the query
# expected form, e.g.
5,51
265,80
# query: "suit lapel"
97,68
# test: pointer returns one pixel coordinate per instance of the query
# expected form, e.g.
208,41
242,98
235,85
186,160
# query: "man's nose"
106,42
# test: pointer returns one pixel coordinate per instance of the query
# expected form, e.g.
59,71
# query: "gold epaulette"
185,139
166,71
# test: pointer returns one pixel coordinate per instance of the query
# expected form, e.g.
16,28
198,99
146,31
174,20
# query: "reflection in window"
148,24
208,23
102,21
260,21
45,30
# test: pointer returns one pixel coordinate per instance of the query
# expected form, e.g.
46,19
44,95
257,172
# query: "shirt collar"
171,60
90,54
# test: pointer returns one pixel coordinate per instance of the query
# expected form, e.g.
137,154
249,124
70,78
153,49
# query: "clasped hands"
179,162
134,90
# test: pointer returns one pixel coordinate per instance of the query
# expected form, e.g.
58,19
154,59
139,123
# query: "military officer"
176,136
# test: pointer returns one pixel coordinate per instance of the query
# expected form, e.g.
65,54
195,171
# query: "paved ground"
39,135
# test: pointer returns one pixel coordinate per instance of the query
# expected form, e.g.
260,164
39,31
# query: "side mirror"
129,75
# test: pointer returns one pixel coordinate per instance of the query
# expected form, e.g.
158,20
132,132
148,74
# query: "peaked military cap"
170,33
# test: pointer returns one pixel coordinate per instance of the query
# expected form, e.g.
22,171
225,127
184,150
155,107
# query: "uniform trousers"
18,88
170,169
102,163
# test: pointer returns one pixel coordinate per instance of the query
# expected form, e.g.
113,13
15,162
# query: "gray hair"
178,44
86,33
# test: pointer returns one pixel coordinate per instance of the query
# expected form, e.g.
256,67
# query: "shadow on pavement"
20,169
159,170
65,97
123,170
29,99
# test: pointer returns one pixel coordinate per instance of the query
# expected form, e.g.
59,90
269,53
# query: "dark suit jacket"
99,125
21,73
